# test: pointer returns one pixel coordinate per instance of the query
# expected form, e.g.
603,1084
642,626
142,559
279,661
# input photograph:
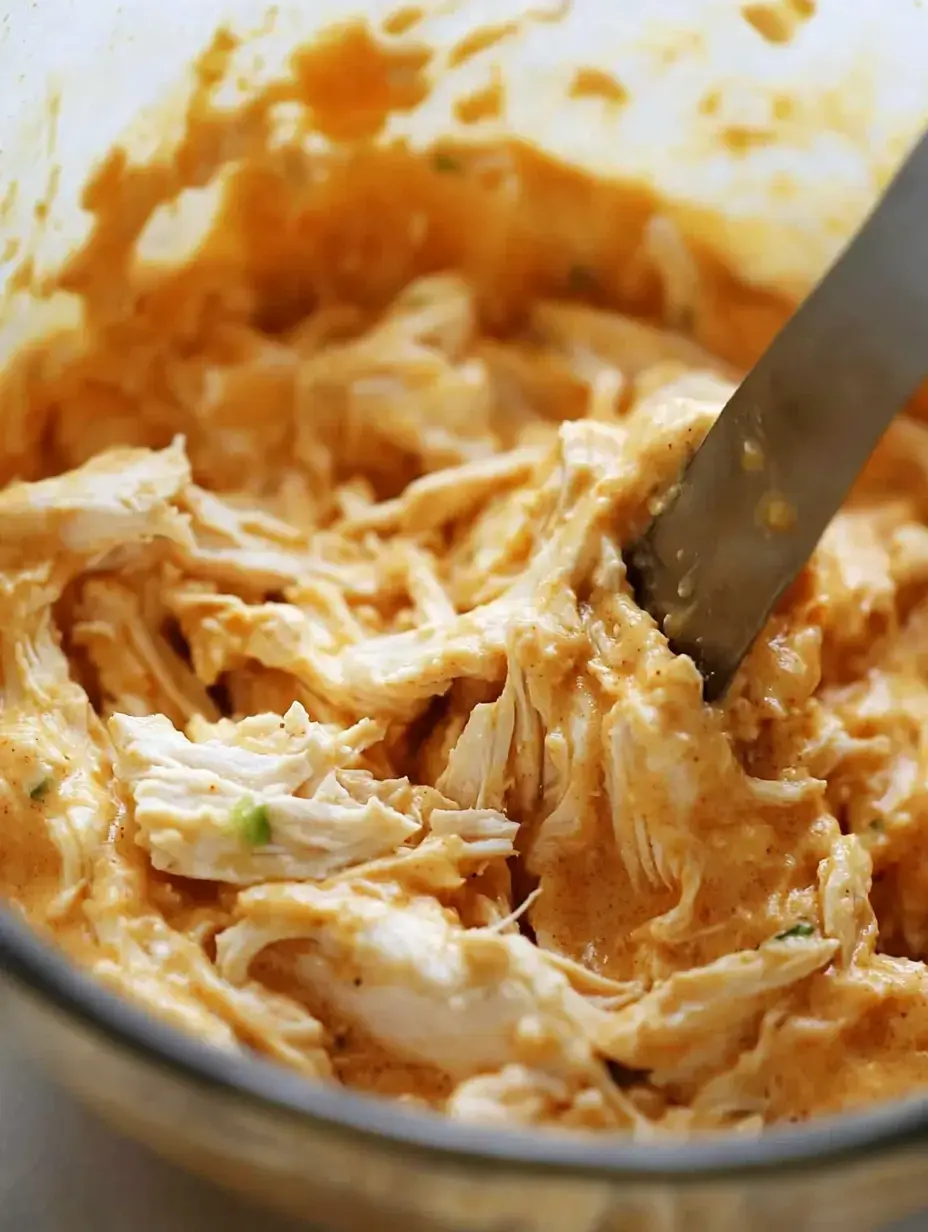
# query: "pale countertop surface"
61,1168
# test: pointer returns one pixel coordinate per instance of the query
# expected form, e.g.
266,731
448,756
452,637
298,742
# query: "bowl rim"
29,961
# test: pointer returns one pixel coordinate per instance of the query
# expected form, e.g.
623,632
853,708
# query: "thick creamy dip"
330,726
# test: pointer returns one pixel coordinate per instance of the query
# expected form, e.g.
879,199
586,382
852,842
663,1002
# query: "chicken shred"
331,728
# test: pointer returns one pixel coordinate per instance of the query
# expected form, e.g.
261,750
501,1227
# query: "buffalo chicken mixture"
330,726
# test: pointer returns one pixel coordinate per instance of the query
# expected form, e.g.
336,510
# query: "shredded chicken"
331,728
220,810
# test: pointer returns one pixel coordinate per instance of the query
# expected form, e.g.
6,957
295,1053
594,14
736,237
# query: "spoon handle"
782,456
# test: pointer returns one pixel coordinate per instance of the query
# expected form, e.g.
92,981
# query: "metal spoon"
780,459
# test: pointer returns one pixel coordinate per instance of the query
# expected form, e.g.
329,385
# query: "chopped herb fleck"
798,930
877,825
446,162
251,821
41,789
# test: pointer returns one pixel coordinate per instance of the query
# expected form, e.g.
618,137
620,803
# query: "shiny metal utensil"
776,465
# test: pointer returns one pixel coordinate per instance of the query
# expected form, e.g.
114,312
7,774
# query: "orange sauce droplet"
769,22
740,139
401,21
480,40
778,22
352,83
784,108
776,513
594,83
485,104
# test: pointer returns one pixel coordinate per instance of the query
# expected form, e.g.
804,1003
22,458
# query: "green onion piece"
798,930
252,822
445,162
41,789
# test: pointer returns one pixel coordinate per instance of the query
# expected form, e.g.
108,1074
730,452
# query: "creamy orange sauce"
425,398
